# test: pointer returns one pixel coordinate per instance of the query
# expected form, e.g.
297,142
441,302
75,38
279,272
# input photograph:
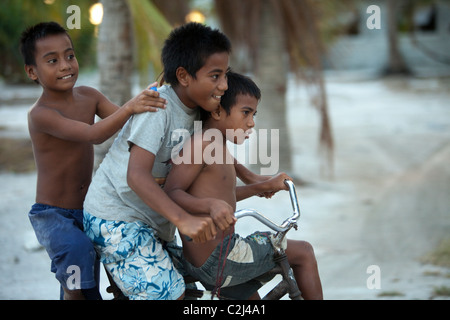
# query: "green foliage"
151,28
17,15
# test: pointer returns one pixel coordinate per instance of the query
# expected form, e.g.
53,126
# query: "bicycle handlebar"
287,224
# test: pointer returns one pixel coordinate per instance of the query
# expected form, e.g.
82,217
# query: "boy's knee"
307,249
303,251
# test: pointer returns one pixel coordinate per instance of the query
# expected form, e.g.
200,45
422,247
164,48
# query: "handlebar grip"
294,199
287,223
279,228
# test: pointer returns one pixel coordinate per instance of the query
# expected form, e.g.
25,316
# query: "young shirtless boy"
62,131
197,187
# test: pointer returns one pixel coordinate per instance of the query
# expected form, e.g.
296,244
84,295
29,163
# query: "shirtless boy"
63,130
198,187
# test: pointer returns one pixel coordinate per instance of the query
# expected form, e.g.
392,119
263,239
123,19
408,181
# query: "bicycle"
288,283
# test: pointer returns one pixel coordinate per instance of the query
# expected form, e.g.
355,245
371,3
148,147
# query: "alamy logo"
74,20
374,21
374,280
74,280
256,153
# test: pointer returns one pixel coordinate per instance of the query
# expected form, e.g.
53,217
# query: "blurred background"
359,91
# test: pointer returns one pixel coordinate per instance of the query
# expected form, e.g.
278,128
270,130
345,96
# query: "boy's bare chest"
216,181
221,175
83,112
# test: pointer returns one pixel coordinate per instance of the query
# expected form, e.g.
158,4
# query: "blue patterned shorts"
135,258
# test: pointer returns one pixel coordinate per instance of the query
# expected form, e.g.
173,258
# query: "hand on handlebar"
222,214
275,184
288,223
199,229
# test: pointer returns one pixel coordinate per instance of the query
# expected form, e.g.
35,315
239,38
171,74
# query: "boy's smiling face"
56,65
210,83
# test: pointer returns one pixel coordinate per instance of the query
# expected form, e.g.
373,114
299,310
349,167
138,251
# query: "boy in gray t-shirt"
109,196
127,215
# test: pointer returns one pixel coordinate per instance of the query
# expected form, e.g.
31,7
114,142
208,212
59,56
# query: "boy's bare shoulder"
80,92
200,139
88,91
39,107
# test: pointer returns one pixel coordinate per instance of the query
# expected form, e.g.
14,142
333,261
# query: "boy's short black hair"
32,34
237,84
189,46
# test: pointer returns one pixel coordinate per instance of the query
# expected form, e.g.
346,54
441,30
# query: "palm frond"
305,35
174,11
151,29
240,22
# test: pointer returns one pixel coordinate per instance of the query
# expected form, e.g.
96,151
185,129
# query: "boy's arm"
141,181
248,177
267,185
179,180
106,108
245,175
52,122
114,117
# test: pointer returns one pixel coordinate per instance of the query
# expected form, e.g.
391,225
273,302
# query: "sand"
386,206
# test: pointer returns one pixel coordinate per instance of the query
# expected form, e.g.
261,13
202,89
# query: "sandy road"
387,205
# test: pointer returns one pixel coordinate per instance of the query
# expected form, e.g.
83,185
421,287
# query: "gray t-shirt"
109,197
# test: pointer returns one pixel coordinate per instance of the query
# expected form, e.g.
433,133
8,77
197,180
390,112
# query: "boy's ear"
183,76
31,72
217,113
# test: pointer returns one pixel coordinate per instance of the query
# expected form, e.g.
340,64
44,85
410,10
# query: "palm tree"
271,32
396,63
124,21
114,59
276,37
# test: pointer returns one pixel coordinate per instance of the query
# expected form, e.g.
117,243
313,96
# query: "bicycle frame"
288,284
282,229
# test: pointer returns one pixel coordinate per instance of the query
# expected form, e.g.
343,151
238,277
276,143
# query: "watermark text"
263,151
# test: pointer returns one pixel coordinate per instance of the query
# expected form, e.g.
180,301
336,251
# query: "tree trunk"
115,59
396,64
272,80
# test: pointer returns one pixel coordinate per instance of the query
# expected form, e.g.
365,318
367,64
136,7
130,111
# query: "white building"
368,49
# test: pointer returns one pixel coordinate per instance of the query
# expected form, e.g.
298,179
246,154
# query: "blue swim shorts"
135,258
74,260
